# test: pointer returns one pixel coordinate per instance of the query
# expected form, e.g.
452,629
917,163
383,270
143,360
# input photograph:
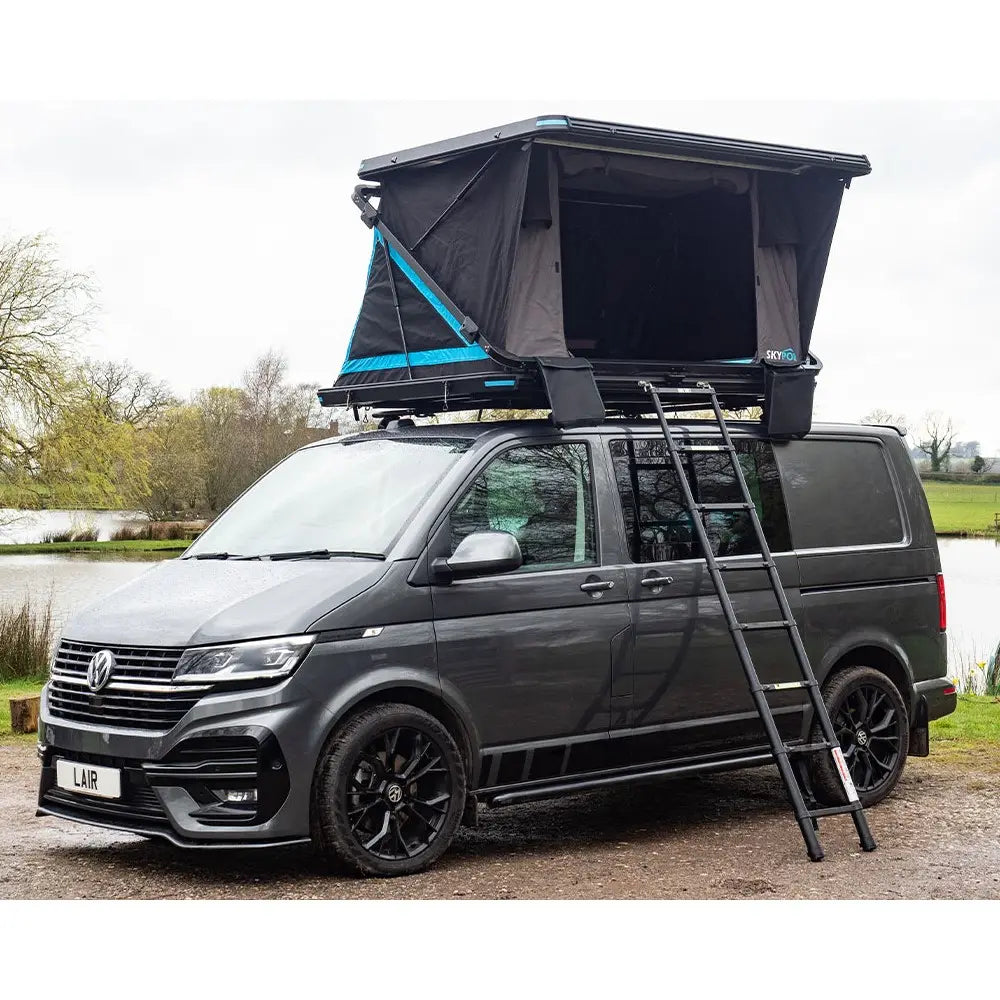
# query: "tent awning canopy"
629,252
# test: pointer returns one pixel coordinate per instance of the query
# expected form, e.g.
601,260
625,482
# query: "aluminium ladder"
805,813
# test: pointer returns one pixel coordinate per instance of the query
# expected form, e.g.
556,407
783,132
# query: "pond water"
972,582
23,527
971,569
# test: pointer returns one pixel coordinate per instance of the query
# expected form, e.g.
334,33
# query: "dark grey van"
389,629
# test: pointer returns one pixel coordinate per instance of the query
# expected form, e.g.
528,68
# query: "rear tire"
389,792
872,724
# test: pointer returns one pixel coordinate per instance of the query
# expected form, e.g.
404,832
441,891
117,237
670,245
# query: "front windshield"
352,496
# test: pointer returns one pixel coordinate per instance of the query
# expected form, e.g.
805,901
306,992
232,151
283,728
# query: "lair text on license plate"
89,779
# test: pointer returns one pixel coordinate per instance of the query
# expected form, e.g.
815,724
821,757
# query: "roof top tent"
559,262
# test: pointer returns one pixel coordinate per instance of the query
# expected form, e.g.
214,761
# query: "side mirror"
481,553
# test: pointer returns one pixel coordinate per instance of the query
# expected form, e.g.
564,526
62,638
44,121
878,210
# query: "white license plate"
89,779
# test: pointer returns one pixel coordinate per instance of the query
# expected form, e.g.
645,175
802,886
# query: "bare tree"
883,417
43,307
938,437
124,394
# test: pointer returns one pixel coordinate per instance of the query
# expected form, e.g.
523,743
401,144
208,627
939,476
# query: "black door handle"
596,585
655,582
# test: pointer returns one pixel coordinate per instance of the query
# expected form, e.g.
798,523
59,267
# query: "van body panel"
187,602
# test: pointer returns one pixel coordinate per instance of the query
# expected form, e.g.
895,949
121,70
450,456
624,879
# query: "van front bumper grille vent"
140,693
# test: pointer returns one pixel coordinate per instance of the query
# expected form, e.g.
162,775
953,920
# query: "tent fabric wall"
423,339
535,324
795,218
470,251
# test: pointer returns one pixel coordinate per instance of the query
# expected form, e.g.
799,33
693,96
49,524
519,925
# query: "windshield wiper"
214,555
316,554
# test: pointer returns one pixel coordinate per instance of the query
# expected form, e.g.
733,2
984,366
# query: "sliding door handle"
655,582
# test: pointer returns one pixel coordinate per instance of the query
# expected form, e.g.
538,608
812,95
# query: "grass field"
15,689
959,507
142,545
970,736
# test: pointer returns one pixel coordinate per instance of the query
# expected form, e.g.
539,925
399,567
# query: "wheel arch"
887,659
420,690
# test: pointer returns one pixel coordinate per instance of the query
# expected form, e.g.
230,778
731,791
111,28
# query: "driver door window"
543,496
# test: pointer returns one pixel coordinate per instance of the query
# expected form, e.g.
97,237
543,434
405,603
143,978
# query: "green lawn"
15,689
976,718
962,507
142,545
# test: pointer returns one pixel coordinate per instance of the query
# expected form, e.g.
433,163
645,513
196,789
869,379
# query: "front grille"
139,695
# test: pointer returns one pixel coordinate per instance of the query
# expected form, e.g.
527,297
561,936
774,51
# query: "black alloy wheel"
872,724
390,791
868,728
398,794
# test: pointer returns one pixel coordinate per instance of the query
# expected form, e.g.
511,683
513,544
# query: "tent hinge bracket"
362,196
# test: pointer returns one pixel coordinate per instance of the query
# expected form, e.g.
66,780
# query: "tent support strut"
395,303
454,201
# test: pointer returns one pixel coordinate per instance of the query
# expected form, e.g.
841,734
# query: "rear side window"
839,494
657,525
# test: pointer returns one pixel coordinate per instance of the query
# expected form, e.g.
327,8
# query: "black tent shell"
609,135
562,257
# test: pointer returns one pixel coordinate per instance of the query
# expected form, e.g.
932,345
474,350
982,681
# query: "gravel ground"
724,836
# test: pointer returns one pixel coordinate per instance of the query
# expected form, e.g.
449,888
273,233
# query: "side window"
840,494
541,495
657,525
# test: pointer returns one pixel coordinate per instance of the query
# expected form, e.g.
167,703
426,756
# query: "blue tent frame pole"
362,196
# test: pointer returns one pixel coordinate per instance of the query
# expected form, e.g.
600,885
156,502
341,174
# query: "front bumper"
265,740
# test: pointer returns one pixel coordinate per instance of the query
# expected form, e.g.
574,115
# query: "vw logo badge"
99,669
394,794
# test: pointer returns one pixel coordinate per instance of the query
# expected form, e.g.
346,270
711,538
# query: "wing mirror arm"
441,571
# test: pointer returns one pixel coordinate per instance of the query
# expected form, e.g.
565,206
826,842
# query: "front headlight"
263,659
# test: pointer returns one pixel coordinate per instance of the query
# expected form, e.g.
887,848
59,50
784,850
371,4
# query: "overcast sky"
215,231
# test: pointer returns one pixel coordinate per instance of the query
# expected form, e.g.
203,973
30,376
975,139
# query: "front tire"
872,724
389,792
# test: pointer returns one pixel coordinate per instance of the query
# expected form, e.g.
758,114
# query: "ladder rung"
704,447
809,747
723,506
761,626
787,685
851,807
744,566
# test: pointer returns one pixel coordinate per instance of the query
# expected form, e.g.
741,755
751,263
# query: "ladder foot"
864,833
